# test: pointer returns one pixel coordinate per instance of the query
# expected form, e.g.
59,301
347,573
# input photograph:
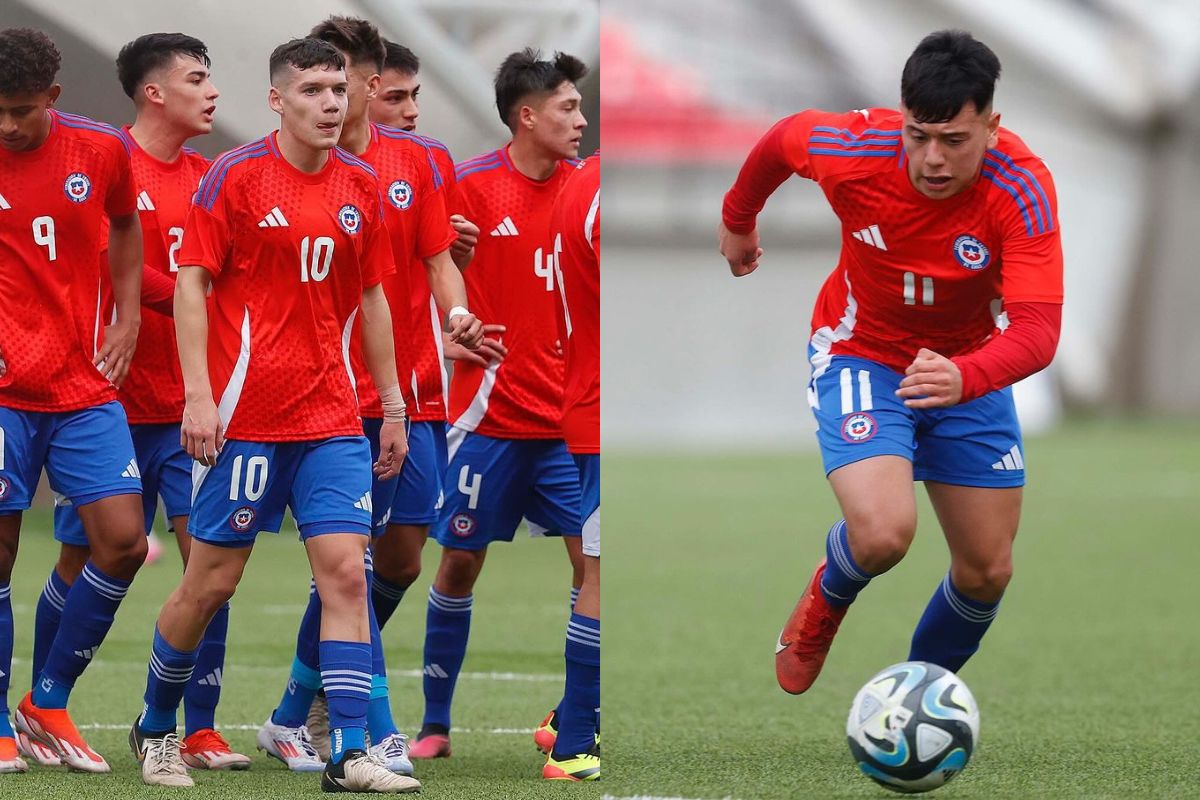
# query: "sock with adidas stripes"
346,676
951,627
843,578
581,699
167,678
203,692
6,650
385,598
447,627
574,597
87,614
46,620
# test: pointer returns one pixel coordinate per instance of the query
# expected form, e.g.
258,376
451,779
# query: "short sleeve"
206,238
434,232
121,199
377,260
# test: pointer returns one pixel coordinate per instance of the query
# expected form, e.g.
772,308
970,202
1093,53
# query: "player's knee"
458,571
70,562
880,544
985,583
121,555
405,574
345,583
203,598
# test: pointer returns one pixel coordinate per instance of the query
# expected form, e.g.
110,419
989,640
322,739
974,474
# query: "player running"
288,233
948,291
507,458
61,176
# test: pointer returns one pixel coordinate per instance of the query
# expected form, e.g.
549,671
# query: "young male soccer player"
506,452
416,220
60,176
946,219
574,753
288,232
167,77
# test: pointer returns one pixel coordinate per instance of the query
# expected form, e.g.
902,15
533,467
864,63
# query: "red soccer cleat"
805,639
54,728
207,749
433,745
10,758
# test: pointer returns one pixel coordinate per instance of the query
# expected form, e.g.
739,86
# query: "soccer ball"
913,727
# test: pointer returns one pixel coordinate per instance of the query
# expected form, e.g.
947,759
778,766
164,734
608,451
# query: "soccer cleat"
546,734
53,727
433,745
207,749
154,548
292,746
160,758
37,752
10,758
583,767
360,771
805,640
394,752
318,725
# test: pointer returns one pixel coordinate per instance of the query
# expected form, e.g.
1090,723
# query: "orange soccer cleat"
805,640
53,727
207,749
10,759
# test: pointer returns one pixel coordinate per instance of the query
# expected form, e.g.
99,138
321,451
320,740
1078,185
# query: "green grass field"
1087,682
512,675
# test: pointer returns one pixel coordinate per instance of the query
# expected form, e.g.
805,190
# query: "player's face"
24,123
188,95
312,105
396,102
362,86
558,123
944,158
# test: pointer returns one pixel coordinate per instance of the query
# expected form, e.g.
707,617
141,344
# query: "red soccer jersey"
914,272
510,281
576,229
53,201
290,254
419,227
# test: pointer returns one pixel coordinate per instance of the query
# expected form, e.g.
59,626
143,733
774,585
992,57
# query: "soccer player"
61,175
288,234
947,219
506,451
574,753
416,219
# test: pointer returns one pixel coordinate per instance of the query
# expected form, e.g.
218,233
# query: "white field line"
105,726
650,797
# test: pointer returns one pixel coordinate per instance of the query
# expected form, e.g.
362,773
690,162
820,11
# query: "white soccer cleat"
292,746
360,771
394,752
162,763
37,752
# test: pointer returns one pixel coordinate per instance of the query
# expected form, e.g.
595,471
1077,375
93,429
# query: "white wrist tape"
457,311
393,403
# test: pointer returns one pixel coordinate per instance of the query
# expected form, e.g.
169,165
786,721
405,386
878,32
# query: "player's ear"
373,86
526,117
993,129
275,101
152,92
52,94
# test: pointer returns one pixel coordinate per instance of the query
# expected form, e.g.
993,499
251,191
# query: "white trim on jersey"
591,534
347,329
590,222
470,419
824,338
435,317
237,379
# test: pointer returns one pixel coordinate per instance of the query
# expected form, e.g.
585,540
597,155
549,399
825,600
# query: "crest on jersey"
971,253
401,194
242,519
3,488
859,427
463,525
350,218
78,187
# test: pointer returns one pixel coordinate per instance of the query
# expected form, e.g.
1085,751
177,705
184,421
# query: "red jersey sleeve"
1026,346
377,258
206,240
434,233
1032,269
121,200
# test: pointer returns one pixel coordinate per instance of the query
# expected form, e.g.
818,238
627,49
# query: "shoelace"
164,755
395,745
210,740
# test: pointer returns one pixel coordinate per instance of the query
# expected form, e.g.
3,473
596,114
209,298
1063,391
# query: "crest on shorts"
401,194
3,488
242,519
859,427
78,187
350,218
463,525
971,253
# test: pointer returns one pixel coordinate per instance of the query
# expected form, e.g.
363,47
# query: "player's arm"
125,267
201,433
158,291
467,236
449,291
380,354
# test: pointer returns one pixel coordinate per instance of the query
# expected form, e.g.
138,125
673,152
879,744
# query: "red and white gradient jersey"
153,390
290,254
576,229
419,227
53,202
510,281
916,272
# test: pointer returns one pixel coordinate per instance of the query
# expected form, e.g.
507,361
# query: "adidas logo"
4,206
435,671
144,202
364,503
870,236
1012,460
274,219
505,228
211,679
132,471
88,654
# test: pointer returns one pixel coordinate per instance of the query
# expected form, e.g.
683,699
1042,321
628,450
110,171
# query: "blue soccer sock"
574,597
385,598
305,680
843,578
379,708
447,626
46,620
203,692
166,680
577,714
951,627
6,649
87,615
346,676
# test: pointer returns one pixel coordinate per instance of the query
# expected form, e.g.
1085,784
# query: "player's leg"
10,529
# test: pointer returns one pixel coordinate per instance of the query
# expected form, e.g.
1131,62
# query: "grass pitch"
1087,681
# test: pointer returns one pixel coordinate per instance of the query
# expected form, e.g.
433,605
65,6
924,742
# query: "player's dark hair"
28,61
400,58
305,53
525,73
948,69
155,50
358,39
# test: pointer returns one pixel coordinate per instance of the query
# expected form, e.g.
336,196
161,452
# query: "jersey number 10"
315,260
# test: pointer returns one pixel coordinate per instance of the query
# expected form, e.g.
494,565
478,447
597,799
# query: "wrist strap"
457,311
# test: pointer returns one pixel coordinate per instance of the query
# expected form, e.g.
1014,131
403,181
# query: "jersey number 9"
43,234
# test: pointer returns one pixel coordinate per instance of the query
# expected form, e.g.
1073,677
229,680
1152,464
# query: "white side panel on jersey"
96,333
591,534
347,329
476,411
233,389
825,337
199,473
435,317
590,222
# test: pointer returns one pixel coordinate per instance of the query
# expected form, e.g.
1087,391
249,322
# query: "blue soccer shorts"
326,483
492,483
166,472
419,495
977,443
87,454
589,509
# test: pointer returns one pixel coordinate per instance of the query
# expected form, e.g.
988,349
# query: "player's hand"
741,250
466,330
468,236
931,381
393,449
3,366
490,349
116,354
201,433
